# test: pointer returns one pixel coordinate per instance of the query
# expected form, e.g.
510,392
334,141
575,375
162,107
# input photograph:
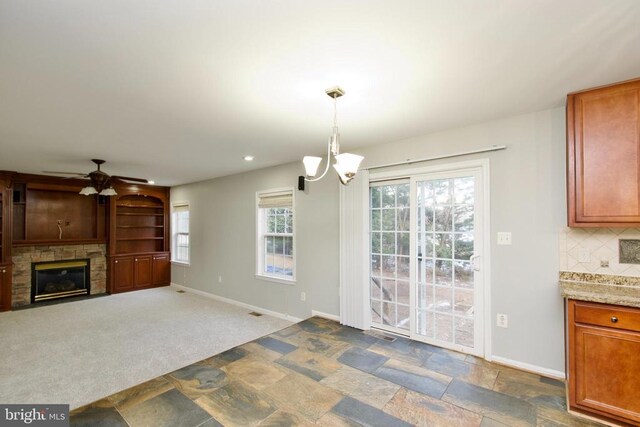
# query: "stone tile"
197,379
334,420
226,357
319,344
211,422
433,349
405,353
414,378
497,406
554,417
375,391
171,409
364,414
345,380
257,350
419,409
301,395
236,404
315,366
276,345
140,393
318,325
354,337
532,388
100,414
285,419
256,372
288,331
456,368
362,359
489,422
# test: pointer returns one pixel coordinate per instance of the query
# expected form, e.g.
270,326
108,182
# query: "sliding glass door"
426,242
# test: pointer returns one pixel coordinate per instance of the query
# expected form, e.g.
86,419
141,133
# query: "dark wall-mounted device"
301,183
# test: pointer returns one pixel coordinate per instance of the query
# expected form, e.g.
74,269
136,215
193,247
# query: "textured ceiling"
180,90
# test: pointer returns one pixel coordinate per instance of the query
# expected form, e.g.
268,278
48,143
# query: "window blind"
280,200
182,207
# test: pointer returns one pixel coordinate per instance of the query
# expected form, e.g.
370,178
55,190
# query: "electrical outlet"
584,255
504,238
219,279
303,296
502,320
604,263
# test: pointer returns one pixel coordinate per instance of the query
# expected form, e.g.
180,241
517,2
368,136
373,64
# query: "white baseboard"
238,303
546,372
325,315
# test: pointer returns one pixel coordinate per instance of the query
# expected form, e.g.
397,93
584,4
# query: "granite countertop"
606,288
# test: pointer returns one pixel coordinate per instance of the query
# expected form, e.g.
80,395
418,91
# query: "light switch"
504,238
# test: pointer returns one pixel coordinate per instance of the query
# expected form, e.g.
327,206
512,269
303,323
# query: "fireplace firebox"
59,279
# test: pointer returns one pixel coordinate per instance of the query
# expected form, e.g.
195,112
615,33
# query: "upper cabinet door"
603,156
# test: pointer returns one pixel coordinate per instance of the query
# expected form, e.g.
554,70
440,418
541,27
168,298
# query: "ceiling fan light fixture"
88,190
108,192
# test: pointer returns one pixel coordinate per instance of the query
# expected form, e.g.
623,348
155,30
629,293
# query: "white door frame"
484,166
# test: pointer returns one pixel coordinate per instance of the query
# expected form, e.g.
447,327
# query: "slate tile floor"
318,372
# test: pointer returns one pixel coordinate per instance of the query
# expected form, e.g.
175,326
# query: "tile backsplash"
600,244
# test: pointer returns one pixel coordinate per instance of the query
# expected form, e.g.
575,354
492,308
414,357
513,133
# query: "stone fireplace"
26,257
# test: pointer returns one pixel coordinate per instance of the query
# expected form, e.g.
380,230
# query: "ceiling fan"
101,182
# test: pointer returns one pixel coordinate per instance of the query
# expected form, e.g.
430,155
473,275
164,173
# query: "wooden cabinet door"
607,366
122,276
142,271
603,155
161,270
5,288
604,360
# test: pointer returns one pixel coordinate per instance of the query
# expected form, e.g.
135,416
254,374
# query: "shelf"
139,214
139,206
127,239
57,242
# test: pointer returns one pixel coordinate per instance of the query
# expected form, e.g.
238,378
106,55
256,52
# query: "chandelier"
346,164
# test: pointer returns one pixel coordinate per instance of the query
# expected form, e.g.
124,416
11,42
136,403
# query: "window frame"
174,233
261,234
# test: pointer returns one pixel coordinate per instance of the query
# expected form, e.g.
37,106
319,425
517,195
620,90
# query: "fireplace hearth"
59,279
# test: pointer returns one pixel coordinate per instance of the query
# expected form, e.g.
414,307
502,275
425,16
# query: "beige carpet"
79,352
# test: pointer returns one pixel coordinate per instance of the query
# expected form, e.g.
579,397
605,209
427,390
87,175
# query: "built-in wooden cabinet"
139,238
604,360
161,269
131,272
5,243
5,287
603,156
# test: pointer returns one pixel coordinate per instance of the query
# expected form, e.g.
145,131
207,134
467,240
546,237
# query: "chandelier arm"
325,170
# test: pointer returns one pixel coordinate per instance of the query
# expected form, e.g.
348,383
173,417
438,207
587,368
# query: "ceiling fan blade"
66,173
127,178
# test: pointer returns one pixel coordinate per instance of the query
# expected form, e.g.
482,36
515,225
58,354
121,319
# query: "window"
180,237
275,240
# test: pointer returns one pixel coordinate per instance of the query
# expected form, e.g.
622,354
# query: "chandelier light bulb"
311,164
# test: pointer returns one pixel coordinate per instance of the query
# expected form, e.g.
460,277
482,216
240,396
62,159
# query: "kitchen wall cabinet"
604,360
603,156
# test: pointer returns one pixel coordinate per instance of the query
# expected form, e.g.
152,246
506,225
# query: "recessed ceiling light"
248,158
151,182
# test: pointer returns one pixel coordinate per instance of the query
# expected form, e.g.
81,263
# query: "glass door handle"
473,259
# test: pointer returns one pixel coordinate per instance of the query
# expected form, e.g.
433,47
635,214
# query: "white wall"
223,230
527,199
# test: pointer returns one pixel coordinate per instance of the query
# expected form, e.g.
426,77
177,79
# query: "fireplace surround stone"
23,256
